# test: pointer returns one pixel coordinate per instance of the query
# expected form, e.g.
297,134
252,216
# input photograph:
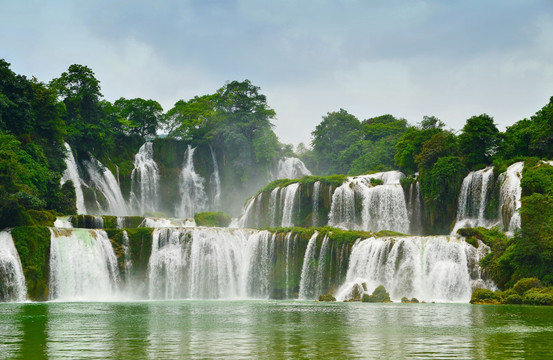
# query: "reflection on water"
272,329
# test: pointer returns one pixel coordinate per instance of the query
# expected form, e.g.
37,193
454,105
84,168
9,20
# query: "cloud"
408,58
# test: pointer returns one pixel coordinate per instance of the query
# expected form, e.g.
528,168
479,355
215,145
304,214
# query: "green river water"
273,329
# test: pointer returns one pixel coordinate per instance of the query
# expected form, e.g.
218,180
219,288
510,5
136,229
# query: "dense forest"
37,118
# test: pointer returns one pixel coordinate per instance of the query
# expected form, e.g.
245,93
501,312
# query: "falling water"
202,263
308,274
83,265
192,191
12,281
72,173
476,190
215,182
145,181
509,196
316,199
288,196
273,206
433,268
383,207
291,168
104,181
127,256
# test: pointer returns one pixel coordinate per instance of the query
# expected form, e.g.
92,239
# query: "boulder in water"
327,297
379,295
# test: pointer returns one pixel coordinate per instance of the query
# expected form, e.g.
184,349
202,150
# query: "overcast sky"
410,58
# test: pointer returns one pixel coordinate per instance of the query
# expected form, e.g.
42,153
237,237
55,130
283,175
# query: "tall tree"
139,116
479,140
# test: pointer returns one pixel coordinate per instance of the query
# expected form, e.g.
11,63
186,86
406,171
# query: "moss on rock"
213,219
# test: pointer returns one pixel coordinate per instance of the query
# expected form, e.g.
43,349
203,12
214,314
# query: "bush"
214,219
327,297
512,299
538,297
526,284
484,296
379,295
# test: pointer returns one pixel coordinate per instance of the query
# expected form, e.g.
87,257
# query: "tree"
479,140
140,117
192,120
332,136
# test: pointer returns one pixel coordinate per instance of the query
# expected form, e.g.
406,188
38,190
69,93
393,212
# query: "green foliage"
523,285
478,141
192,120
327,297
538,297
33,245
484,296
139,116
379,295
513,299
213,219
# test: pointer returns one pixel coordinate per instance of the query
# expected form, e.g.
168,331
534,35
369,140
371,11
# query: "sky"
452,59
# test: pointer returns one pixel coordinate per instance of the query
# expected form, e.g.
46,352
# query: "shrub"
379,295
537,297
484,296
512,299
214,219
523,285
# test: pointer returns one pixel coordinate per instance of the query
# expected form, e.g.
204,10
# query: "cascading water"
509,196
145,181
205,263
72,173
192,191
308,282
288,196
316,200
383,206
291,168
103,180
12,281
432,268
215,182
83,265
476,191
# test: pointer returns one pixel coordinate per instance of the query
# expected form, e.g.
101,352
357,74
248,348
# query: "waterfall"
207,263
291,168
215,182
476,190
273,206
509,196
288,196
316,200
383,207
12,281
192,191
414,205
432,268
83,265
104,181
145,181
166,223
308,280
72,173
127,256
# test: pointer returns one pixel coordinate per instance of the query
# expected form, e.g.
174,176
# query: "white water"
166,222
316,198
145,181
215,182
474,196
509,196
432,268
308,276
83,265
291,168
210,263
63,222
103,180
192,190
288,197
12,281
72,173
383,207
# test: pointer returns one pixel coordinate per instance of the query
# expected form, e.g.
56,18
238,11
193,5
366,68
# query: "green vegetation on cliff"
214,219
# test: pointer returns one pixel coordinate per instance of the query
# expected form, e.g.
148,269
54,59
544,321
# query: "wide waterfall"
291,168
432,268
381,199
72,173
83,265
145,181
192,189
12,281
476,191
102,179
204,263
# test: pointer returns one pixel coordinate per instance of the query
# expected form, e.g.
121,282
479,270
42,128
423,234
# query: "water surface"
272,329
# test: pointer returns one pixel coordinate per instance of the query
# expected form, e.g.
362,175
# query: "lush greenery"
214,219
528,291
